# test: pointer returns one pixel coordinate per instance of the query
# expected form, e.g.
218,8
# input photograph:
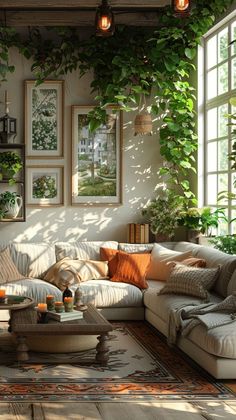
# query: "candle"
68,303
42,307
59,306
2,293
50,302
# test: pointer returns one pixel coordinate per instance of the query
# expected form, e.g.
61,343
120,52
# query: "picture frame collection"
96,163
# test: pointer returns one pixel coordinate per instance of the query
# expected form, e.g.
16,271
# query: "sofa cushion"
77,270
160,256
106,294
135,248
161,305
213,258
110,255
192,281
82,250
132,268
32,259
8,270
36,289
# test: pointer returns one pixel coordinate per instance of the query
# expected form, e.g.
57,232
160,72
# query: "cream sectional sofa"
214,350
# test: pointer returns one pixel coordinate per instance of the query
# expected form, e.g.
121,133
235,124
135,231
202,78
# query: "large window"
217,84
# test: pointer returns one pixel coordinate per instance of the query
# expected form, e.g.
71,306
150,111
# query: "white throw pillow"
160,256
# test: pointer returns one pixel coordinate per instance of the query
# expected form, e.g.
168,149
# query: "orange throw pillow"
110,255
194,262
132,268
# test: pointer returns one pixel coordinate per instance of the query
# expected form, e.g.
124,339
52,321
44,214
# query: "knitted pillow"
185,280
8,270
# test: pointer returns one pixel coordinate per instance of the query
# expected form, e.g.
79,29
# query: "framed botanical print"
45,186
44,108
96,159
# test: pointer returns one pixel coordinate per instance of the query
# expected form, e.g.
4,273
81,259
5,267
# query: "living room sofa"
214,349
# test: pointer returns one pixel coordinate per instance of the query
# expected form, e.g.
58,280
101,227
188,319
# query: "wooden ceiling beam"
72,18
77,4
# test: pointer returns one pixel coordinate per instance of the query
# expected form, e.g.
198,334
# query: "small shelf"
19,184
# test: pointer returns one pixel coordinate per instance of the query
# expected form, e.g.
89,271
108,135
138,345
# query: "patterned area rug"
141,368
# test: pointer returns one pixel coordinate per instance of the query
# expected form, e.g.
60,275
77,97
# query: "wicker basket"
143,124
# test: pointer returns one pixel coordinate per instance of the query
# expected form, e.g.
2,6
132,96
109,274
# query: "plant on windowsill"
200,221
162,214
225,243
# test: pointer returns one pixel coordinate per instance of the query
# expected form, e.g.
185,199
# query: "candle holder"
2,296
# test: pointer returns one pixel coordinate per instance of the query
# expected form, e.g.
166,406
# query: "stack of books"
138,233
65,316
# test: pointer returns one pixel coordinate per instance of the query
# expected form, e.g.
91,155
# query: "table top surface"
91,323
12,303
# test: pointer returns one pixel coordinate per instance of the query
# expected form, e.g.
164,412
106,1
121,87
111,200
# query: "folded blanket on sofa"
211,315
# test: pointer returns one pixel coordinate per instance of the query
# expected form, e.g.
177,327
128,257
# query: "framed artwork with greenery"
96,158
45,186
44,106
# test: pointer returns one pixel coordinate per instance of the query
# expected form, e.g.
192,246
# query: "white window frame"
203,106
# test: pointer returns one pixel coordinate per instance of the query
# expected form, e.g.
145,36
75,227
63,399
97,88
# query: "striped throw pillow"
8,270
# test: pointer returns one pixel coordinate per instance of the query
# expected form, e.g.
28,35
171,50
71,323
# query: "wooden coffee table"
24,324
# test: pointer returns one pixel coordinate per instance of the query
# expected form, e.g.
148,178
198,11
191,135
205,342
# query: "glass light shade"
181,7
104,20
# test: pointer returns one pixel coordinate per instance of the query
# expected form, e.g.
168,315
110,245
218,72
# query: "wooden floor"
196,410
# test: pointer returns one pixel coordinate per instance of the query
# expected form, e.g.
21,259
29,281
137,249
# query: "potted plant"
200,220
162,214
225,243
10,204
10,165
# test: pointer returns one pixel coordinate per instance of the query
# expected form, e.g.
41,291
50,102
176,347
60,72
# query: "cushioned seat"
34,288
105,294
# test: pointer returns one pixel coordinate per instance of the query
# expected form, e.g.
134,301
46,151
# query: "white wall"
141,160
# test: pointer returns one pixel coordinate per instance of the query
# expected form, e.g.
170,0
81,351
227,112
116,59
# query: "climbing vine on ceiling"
132,63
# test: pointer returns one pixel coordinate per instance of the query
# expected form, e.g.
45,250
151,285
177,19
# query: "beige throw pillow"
160,256
67,271
8,270
185,280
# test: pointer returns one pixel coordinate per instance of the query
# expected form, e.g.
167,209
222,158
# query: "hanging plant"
155,60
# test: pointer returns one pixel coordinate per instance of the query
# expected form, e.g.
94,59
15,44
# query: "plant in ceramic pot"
10,204
10,165
162,214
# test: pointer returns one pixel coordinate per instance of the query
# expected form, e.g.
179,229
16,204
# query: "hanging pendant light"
181,8
105,25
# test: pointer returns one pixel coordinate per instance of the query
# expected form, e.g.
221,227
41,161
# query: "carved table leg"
102,350
22,349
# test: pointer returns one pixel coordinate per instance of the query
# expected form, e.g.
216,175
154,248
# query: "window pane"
212,157
223,120
223,45
223,182
223,78
222,228
211,189
234,37
233,69
223,155
212,84
233,224
212,124
211,52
